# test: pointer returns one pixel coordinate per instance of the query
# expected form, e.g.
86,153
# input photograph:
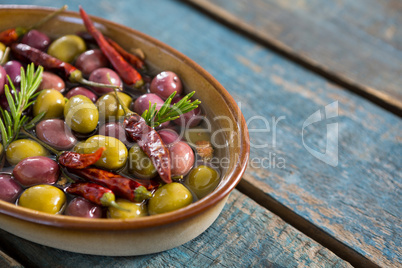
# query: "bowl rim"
235,175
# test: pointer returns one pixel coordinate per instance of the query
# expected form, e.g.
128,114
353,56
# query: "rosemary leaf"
11,122
169,112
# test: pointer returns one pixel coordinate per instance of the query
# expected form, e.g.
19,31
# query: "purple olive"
182,158
169,136
142,103
9,188
3,77
81,207
114,129
91,60
100,76
13,69
51,81
36,170
56,133
165,83
82,91
36,39
3,99
189,119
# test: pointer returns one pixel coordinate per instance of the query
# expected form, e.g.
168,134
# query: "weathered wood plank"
245,234
355,43
8,262
357,202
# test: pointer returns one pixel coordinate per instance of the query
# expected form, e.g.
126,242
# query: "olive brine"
86,131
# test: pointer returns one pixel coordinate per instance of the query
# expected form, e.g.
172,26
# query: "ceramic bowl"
148,234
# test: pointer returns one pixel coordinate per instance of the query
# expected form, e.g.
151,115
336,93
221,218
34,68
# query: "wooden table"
319,83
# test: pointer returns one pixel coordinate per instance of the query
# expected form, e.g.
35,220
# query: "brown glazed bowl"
148,234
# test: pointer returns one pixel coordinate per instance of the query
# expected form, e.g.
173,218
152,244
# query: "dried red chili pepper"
10,36
95,193
131,58
120,185
79,161
25,52
151,143
127,73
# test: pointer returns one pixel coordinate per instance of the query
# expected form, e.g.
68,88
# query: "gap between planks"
340,249
379,98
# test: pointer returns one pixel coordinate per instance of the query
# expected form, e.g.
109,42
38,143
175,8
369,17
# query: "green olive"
23,148
44,198
51,102
67,48
139,164
79,147
81,115
192,135
75,101
169,197
115,155
202,180
2,49
136,210
109,108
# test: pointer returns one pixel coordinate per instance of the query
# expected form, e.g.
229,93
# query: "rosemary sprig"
168,112
11,122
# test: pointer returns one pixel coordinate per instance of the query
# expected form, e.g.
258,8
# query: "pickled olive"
79,147
182,158
135,210
81,114
193,135
9,189
13,69
114,129
81,91
56,133
101,76
36,39
80,207
115,155
75,101
109,108
23,148
3,77
36,170
165,83
44,198
51,102
139,164
169,136
2,49
67,48
3,99
142,103
91,60
202,180
169,197
51,81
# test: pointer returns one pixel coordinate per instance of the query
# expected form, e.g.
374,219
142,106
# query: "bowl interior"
224,118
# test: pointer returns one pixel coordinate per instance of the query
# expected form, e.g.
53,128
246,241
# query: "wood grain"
357,44
245,234
356,202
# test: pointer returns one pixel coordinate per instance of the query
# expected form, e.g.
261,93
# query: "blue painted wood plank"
245,235
358,201
356,42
